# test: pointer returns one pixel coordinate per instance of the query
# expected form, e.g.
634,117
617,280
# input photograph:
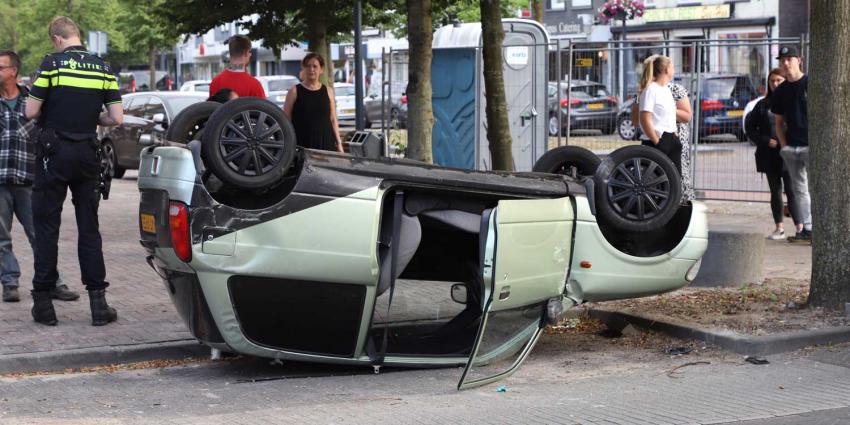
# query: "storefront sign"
564,28
584,62
720,11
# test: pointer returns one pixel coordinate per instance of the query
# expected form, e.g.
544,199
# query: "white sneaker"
777,235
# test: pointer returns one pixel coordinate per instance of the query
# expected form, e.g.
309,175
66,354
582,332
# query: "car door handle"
504,293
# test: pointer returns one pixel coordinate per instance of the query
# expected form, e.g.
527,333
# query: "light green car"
394,262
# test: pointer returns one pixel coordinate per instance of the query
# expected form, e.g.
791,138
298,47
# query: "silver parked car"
276,87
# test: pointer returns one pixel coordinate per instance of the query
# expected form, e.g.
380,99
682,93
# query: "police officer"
67,97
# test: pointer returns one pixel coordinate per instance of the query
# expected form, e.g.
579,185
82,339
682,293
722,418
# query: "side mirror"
459,293
145,140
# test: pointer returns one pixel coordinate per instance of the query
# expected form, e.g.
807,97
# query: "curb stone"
729,340
58,360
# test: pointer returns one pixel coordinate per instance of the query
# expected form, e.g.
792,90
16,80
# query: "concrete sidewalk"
148,326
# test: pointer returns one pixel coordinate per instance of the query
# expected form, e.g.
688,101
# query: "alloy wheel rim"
553,126
251,143
627,129
638,189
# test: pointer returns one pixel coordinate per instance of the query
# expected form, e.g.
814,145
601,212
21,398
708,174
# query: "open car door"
525,264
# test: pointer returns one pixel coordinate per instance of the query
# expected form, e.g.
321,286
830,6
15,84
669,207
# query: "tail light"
178,222
711,105
573,102
404,100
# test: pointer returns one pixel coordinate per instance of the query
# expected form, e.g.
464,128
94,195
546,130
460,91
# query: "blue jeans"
15,200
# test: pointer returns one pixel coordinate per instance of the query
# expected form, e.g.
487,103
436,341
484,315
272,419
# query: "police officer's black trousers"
73,165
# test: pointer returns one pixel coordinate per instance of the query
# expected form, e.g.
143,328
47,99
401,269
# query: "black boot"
101,312
42,308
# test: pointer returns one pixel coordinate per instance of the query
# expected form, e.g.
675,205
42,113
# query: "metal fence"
592,86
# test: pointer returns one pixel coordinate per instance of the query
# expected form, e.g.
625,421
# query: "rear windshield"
344,91
589,92
178,104
719,88
202,87
281,85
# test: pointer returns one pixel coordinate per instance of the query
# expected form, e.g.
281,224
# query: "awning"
706,23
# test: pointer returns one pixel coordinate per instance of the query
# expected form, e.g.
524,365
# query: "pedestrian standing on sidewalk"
658,109
761,128
16,173
236,76
72,87
790,105
311,106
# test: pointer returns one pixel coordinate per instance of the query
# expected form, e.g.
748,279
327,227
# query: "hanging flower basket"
621,9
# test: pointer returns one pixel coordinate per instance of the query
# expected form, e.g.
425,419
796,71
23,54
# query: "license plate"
595,106
347,111
735,113
148,222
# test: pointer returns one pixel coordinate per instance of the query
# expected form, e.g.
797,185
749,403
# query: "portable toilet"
457,79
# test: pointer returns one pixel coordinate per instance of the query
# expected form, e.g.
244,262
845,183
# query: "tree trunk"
152,67
829,168
537,10
420,115
498,130
317,40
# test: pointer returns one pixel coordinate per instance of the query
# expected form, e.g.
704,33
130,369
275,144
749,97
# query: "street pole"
358,66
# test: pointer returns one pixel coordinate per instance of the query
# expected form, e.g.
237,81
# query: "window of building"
579,4
556,4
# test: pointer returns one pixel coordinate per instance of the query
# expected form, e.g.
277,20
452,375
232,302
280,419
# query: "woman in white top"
658,108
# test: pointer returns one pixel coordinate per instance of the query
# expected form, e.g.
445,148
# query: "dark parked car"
146,116
395,110
591,107
722,100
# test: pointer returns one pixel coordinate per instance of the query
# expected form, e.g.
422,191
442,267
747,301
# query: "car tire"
249,160
553,126
573,161
189,123
626,129
638,189
111,160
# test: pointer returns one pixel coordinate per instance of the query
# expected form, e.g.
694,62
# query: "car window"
154,107
552,91
344,91
202,87
137,106
281,85
719,88
177,104
589,92
125,103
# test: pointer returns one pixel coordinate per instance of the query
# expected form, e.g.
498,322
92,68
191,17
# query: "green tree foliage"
444,12
33,16
150,32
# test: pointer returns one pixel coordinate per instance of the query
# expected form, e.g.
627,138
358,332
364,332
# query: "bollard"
734,257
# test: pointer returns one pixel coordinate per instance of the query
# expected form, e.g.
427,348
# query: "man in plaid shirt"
16,175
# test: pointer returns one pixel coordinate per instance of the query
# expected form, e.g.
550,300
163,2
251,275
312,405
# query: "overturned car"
275,251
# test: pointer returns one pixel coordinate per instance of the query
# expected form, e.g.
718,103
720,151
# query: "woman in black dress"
312,108
761,128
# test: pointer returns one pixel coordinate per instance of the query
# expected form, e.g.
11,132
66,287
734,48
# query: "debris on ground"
672,372
150,364
502,389
677,351
756,360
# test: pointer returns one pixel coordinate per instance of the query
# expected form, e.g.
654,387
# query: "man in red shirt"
236,76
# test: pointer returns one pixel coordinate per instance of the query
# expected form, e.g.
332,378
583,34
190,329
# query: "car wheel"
249,143
189,123
394,121
626,129
111,160
554,126
572,161
638,189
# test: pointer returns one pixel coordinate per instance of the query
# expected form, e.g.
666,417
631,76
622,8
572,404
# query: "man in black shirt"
67,98
790,104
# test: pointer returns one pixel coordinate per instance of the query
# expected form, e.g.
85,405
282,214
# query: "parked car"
136,81
625,127
146,117
276,87
721,102
747,109
345,105
592,107
294,254
394,111
196,85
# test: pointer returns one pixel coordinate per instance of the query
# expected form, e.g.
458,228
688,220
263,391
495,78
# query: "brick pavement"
145,313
